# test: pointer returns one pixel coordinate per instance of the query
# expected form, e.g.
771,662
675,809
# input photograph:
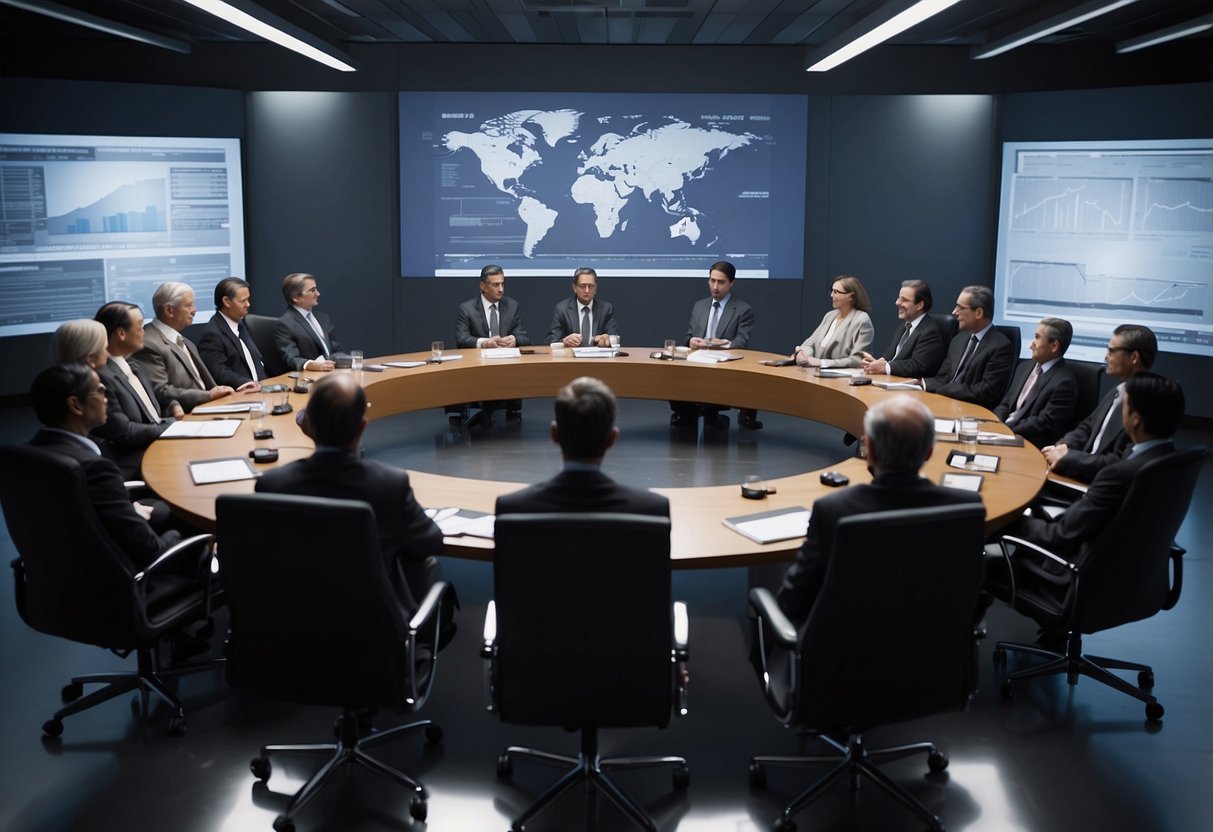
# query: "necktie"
1113,414
713,320
587,336
972,345
245,339
1033,377
189,363
315,324
149,407
904,335
494,322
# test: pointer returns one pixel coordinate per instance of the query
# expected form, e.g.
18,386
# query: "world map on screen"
547,160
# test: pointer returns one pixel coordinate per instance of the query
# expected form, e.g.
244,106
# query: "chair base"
588,767
149,678
857,761
1074,663
350,749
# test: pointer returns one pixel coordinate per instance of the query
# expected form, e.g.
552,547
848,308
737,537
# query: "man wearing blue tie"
304,337
227,347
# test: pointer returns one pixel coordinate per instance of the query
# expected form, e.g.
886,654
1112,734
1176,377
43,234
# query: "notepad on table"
593,352
453,522
712,357
233,469
212,409
210,429
973,462
897,385
771,526
501,352
404,365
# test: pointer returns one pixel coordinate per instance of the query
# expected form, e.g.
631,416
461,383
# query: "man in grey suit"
490,320
171,360
301,331
917,349
1099,440
1040,401
585,430
335,419
583,320
899,436
719,321
980,358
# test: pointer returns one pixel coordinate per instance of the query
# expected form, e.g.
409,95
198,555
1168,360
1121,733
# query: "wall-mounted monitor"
89,219
1108,233
650,185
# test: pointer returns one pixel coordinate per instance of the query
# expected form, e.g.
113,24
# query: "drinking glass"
966,433
436,348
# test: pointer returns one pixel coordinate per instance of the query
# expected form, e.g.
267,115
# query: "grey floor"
1056,758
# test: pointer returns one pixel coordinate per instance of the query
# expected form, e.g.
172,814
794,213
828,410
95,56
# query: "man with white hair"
170,360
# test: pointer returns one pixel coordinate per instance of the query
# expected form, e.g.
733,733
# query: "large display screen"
653,185
89,219
1108,233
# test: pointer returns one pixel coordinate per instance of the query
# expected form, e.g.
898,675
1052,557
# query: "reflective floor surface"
1056,758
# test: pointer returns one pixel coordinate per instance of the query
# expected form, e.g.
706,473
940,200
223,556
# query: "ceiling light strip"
260,28
851,46
1074,17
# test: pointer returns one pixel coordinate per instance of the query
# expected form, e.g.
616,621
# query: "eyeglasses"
1119,349
962,306
840,292
99,391
315,290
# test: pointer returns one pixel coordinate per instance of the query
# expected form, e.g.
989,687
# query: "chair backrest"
948,326
1088,376
1125,572
890,636
584,620
261,328
1014,336
313,616
77,582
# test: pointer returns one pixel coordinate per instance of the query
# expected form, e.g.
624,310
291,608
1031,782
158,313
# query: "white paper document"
712,357
442,359
405,365
453,522
593,352
208,409
897,385
771,526
209,471
211,429
501,352
945,425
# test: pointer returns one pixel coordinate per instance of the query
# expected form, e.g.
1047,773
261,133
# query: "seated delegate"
844,333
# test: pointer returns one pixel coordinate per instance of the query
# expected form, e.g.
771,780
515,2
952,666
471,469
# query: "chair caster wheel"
505,767
52,728
176,726
784,825
1145,680
71,692
283,824
261,768
758,775
937,761
1154,712
681,777
1007,690
433,734
418,808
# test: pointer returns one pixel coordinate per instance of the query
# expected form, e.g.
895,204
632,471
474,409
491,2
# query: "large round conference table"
698,537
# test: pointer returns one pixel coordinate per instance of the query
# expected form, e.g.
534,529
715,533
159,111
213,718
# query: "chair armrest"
488,648
1043,553
431,604
682,631
1177,575
203,542
778,628
420,663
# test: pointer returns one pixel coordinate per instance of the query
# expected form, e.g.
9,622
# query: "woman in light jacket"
845,331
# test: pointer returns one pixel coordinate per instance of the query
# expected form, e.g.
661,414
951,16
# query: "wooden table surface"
698,537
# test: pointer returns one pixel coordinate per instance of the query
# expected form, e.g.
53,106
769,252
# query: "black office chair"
1089,377
261,329
71,580
890,638
1132,570
948,327
582,635
315,621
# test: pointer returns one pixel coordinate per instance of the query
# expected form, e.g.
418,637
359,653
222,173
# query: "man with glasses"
980,358
583,320
70,401
301,331
1100,439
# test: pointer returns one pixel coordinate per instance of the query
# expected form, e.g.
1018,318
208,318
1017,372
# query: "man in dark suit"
301,331
170,360
1151,408
226,346
583,320
980,358
1040,401
719,321
335,418
70,402
1100,440
135,418
917,349
491,320
899,435
584,429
